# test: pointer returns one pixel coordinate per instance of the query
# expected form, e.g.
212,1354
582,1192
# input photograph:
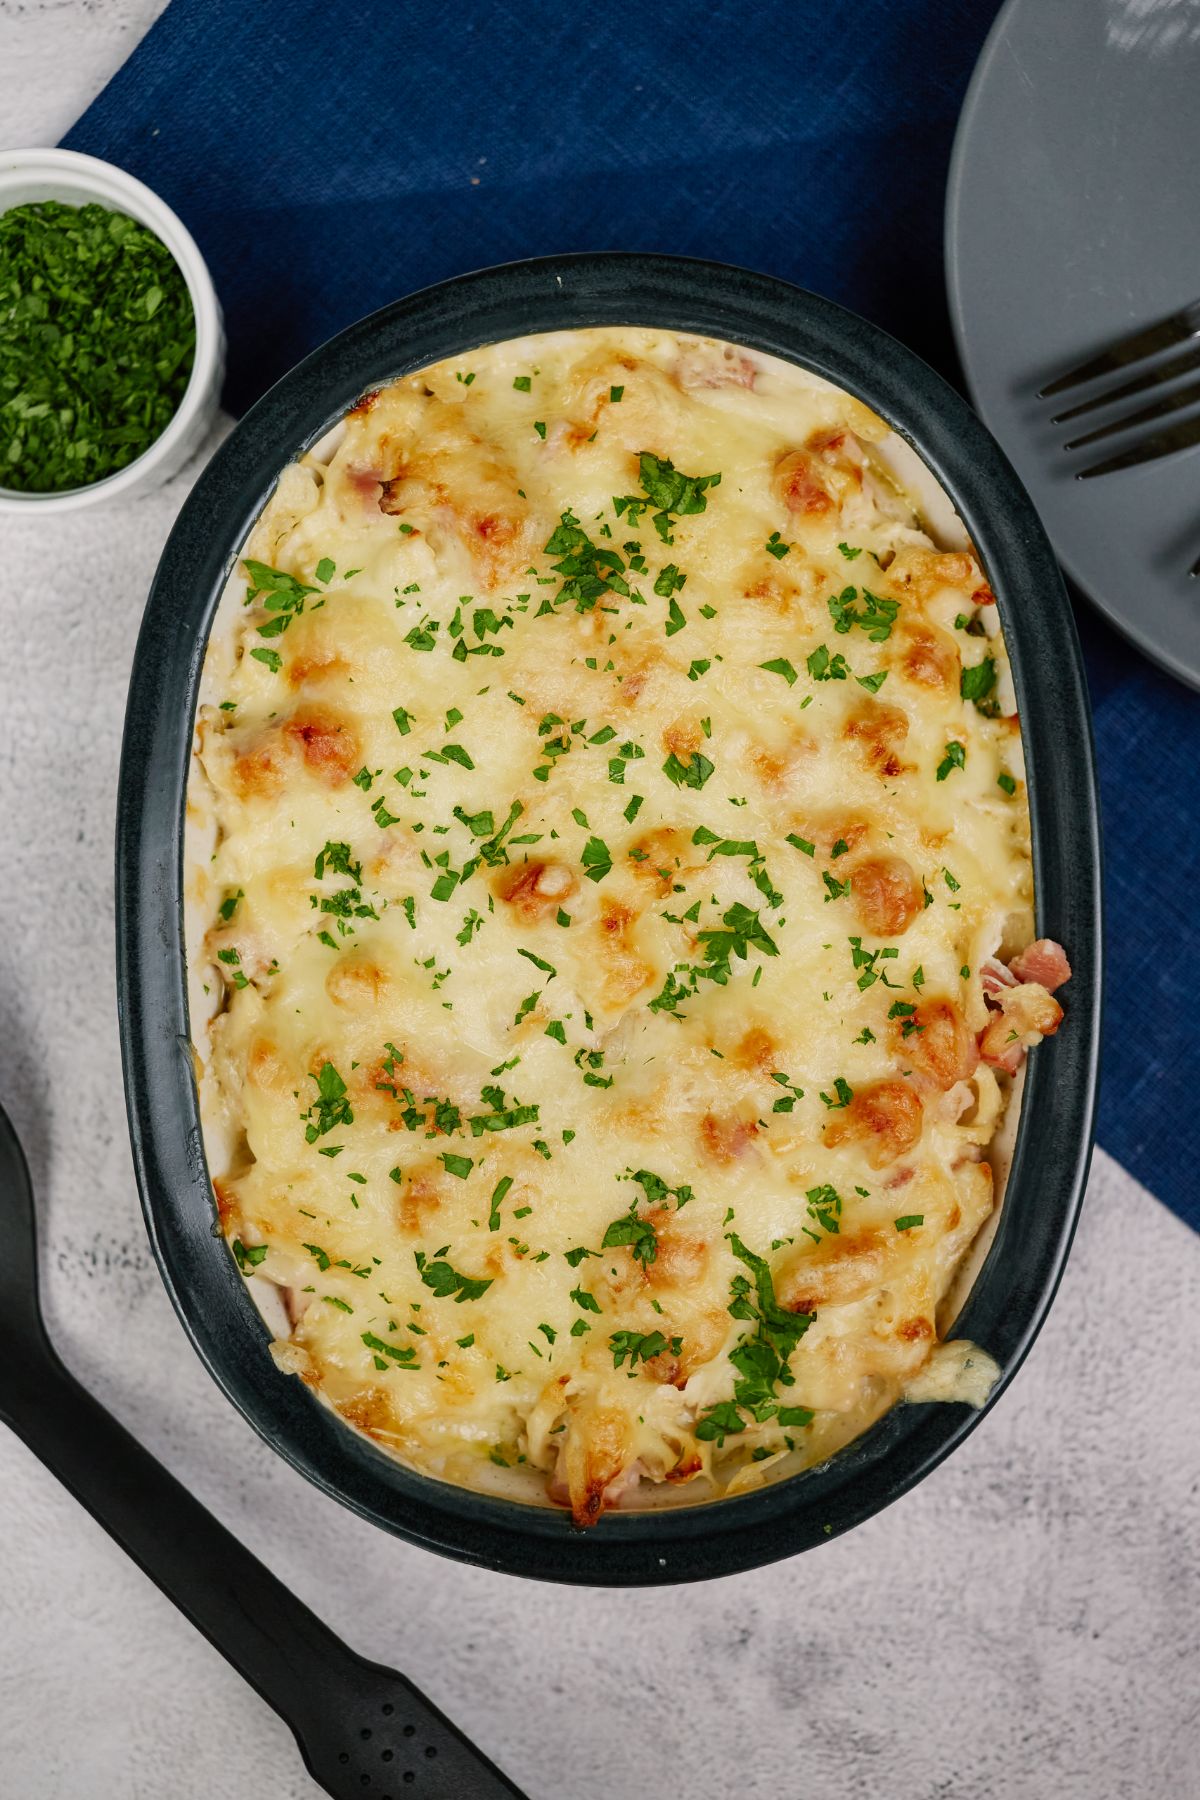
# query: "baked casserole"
613,967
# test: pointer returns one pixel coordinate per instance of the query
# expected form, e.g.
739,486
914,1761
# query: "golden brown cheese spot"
228,1209
776,594
664,856
258,770
839,1270
831,829
758,1050
878,731
664,1368
317,667
703,1338
915,1331
651,402
920,575
942,1048
327,744
266,1068
370,1411
930,659
449,475
597,1446
682,739
714,366
625,972
725,1138
887,895
356,983
419,1197
885,1118
534,889
682,1259
798,484
775,767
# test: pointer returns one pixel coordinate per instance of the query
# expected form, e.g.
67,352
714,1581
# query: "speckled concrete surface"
1026,1624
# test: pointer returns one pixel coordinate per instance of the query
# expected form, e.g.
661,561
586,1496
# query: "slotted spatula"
363,1730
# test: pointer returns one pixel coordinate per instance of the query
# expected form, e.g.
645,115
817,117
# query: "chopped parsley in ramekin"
97,337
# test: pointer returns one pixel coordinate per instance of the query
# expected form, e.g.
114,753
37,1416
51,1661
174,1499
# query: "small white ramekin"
30,175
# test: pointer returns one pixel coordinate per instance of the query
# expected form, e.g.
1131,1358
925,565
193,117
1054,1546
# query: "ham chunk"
1025,1014
1043,961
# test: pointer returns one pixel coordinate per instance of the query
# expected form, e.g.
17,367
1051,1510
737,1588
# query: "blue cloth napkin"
330,158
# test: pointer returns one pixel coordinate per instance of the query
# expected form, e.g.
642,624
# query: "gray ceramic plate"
1073,217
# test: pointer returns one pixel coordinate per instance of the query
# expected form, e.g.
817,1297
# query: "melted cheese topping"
605,854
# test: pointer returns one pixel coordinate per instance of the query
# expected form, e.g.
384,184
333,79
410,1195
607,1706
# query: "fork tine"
1194,571
1151,378
1146,341
1160,443
1159,409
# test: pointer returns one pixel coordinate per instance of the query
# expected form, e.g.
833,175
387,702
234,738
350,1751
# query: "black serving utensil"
363,1730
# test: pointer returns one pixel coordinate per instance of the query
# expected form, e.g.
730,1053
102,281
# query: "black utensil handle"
363,1730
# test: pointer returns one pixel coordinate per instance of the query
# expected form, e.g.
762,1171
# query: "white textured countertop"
1026,1624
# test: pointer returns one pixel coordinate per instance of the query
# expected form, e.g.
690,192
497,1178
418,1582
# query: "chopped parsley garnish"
281,594
908,1221
331,1108
522,383
865,960
596,859
674,494
848,553
780,665
691,774
978,684
637,1234
588,570
762,1357
457,1165
825,1207
498,1192
955,758
248,1257
403,1356
337,858
658,1191
1004,780
824,667
638,1346
448,1283
843,1091
875,616
776,547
